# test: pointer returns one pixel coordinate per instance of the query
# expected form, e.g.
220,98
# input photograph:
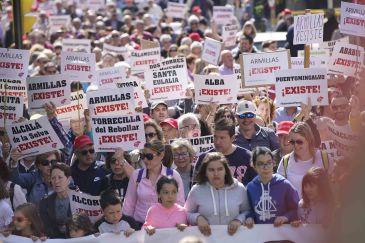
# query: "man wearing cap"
87,175
170,129
249,135
282,132
159,111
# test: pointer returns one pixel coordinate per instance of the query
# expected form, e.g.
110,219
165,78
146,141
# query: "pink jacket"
139,199
160,217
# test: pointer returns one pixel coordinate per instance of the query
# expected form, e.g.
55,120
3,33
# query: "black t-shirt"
119,185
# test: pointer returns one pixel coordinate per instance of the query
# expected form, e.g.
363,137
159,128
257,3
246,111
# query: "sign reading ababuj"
108,77
126,132
79,45
74,109
308,29
167,84
216,89
298,62
78,66
169,64
294,86
119,50
211,51
111,102
352,19
33,137
14,64
43,89
222,14
141,59
346,59
258,68
176,10
57,22
11,109
9,87
139,97
331,44
87,204
229,35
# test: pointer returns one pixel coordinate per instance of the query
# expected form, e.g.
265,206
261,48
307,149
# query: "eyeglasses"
115,161
339,107
85,152
182,155
263,165
48,162
246,115
151,134
19,219
299,142
147,156
191,126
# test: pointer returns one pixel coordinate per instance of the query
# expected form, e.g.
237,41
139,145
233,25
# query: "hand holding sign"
50,109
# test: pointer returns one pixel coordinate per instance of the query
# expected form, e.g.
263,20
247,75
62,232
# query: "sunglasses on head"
246,115
85,152
299,142
147,156
48,162
151,135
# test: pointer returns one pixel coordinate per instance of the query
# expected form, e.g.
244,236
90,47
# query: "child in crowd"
316,205
167,213
112,221
6,213
79,225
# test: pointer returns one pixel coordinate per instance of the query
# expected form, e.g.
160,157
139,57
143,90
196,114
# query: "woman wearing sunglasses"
304,156
37,183
141,192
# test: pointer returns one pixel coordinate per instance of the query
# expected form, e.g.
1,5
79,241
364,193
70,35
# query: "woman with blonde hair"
265,109
249,29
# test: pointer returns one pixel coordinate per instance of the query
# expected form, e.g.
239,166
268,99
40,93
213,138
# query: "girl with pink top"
167,213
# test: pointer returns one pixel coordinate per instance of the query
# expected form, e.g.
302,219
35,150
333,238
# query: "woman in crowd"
79,225
229,203
189,126
266,110
6,213
225,112
249,29
55,209
141,192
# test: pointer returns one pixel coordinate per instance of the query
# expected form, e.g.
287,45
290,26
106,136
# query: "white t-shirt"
19,196
6,214
297,169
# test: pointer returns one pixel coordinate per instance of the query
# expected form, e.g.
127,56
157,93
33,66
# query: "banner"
346,141
294,86
331,44
56,22
211,51
120,50
308,29
9,87
346,59
126,132
352,19
167,84
260,233
43,89
85,203
108,77
71,111
257,68
78,66
322,54
176,10
169,64
141,59
11,109
76,45
33,137
107,102
216,89
139,97
222,15
229,35
14,64
298,62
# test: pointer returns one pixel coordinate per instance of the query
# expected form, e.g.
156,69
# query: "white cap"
245,107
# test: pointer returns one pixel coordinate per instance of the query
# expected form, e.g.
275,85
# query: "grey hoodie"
219,207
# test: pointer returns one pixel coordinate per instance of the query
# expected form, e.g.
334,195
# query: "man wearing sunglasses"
250,135
87,175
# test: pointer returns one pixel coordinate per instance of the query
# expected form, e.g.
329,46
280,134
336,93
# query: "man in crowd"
228,64
159,111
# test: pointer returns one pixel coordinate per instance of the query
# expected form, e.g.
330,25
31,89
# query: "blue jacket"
263,137
277,198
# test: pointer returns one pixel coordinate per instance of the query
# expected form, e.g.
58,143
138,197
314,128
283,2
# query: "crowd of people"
267,165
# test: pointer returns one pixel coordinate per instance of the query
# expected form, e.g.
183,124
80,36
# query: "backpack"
169,172
324,156
11,194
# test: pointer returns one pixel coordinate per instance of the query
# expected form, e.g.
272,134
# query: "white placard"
9,87
14,64
75,109
200,144
11,109
352,19
57,22
111,132
85,203
331,44
216,89
322,54
169,64
176,10
33,137
308,29
79,45
298,62
141,59
346,59
78,66
294,86
222,14
108,77
139,97
211,51
45,89
229,35
91,4
120,50
258,68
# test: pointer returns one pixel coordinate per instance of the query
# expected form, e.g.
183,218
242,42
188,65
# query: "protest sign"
79,45
33,137
169,64
222,14
85,203
146,44
141,59
257,68
322,54
229,35
352,19
298,62
211,51
9,87
308,29
14,64
176,10
346,59
139,97
74,109
11,109
331,44
126,132
216,89
294,86
346,141
167,84
119,50
78,66
56,22
108,77
200,144
90,4
43,89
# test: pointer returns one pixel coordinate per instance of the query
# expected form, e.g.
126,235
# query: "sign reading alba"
308,29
